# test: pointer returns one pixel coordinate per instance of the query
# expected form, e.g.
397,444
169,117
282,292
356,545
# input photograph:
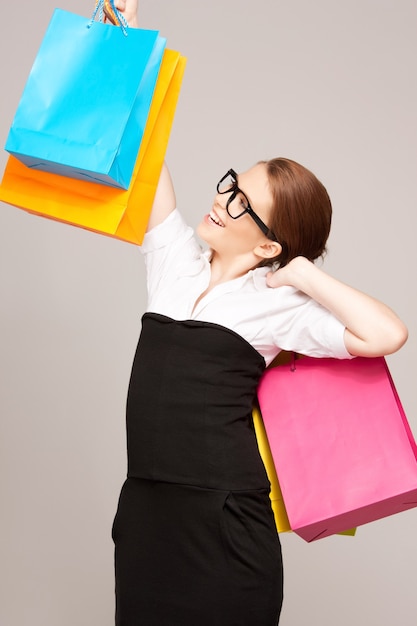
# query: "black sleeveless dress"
195,537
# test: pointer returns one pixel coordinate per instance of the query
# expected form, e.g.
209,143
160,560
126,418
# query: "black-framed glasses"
228,184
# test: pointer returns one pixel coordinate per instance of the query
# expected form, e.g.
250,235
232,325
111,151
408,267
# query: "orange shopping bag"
105,210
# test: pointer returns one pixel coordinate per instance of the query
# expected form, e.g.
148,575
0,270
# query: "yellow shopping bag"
105,210
277,502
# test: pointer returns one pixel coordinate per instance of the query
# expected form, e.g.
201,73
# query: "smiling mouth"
215,218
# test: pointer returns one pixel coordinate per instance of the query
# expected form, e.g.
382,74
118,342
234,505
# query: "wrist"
133,22
300,271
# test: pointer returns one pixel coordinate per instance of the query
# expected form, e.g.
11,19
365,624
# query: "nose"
223,200
220,200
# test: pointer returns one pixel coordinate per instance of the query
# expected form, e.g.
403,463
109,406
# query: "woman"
195,538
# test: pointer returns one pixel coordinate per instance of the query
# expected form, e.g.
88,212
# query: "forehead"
255,184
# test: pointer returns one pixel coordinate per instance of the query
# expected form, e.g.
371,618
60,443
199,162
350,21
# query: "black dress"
195,538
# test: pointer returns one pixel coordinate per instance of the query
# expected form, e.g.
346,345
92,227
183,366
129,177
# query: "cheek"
247,231
239,236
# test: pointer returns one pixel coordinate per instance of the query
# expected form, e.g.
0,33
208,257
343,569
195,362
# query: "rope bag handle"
106,11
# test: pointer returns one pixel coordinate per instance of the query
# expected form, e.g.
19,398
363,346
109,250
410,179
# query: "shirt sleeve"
167,248
306,327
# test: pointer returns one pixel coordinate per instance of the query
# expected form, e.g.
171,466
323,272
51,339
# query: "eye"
243,202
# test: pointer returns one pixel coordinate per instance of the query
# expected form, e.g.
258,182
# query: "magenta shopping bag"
342,446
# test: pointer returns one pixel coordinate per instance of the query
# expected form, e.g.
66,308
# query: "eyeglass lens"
238,202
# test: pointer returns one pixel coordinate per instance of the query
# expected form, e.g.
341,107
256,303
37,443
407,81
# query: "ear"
268,250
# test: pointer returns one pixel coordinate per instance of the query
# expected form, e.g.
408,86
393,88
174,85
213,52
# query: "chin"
212,235
201,231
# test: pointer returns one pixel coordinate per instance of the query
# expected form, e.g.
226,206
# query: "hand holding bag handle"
127,10
111,14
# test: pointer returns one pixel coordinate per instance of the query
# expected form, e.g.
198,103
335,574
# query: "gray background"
330,84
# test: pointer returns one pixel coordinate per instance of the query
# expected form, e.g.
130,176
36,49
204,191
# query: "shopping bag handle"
107,10
286,358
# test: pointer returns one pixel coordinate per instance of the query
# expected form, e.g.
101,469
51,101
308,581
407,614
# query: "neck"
224,269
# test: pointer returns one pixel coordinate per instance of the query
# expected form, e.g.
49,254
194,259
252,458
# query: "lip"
213,217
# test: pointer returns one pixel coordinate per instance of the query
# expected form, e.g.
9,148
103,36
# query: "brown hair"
302,211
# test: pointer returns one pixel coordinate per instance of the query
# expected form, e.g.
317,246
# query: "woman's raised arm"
164,202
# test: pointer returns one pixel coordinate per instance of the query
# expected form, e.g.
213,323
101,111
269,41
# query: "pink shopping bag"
341,443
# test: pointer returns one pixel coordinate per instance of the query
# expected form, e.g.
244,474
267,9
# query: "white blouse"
178,272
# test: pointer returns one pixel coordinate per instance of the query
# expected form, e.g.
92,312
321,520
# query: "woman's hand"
283,276
129,10
372,329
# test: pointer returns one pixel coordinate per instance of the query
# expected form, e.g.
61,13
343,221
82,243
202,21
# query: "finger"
269,279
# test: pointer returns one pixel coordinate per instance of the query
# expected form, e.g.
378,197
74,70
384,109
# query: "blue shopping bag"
86,101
